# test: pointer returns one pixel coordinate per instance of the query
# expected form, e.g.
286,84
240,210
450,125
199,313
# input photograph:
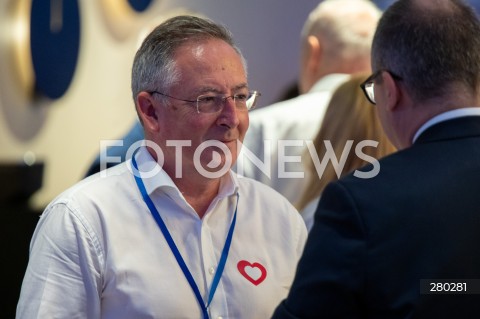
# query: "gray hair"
433,47
347,26
154,65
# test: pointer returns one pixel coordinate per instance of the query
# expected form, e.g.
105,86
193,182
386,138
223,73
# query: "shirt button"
211,270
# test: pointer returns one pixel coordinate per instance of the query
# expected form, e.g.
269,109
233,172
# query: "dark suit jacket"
375,239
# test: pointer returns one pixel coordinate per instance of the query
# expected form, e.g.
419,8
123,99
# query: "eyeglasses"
212,103
369,84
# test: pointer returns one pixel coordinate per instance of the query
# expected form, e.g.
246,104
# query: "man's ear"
314,52
147,111
310,63
392,91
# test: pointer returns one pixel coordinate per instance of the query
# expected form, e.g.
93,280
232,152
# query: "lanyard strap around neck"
176,252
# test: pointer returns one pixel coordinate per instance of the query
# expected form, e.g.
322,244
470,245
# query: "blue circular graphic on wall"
55,44
139,5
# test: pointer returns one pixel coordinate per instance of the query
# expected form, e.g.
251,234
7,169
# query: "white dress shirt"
98,253
295,121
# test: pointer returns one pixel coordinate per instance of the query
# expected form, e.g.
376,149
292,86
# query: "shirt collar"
154,177
467,111
329,82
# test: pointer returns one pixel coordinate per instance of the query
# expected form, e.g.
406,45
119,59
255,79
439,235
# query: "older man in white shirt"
171,233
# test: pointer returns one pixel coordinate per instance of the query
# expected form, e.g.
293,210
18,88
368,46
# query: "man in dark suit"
406,243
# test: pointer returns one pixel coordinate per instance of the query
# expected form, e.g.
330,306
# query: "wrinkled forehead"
214,64
212,54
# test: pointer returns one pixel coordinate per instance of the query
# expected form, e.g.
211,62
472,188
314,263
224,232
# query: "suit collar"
466,111
455,128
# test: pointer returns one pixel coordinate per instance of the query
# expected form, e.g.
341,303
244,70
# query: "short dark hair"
154,65
432,47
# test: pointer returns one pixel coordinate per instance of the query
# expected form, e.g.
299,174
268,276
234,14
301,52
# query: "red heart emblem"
255,273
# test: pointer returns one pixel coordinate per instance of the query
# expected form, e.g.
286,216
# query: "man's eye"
241,97
207,99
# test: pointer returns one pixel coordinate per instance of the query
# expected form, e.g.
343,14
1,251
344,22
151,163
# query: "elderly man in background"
335,42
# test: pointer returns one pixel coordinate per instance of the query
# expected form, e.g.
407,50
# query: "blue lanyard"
176,252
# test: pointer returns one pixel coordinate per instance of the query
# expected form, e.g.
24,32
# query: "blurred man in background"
335,42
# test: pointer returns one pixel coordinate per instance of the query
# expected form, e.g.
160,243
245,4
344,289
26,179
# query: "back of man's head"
344,30
432,45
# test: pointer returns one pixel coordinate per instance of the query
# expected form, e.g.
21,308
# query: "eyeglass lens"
214,103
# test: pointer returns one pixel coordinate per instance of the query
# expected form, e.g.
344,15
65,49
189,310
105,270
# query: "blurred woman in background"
349,116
